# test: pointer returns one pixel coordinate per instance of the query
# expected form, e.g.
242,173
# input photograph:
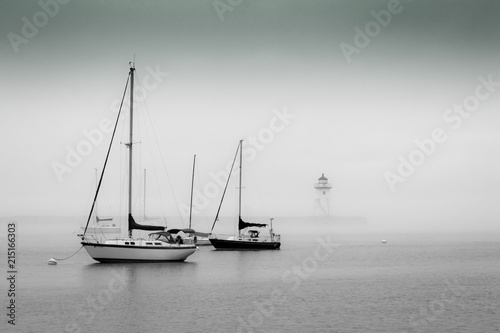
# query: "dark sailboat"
249,234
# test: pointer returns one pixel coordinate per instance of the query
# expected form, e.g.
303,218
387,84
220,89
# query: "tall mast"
96,185
144,194
192,185
239,199
132,69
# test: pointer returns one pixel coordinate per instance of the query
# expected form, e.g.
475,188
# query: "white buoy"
52,261
384,241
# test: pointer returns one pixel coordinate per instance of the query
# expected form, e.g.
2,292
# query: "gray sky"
351,114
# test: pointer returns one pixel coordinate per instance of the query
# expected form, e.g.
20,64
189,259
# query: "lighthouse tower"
322,202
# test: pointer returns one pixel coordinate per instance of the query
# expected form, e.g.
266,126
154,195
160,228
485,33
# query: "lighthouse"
322,202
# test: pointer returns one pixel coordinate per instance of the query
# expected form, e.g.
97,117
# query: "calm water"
414,283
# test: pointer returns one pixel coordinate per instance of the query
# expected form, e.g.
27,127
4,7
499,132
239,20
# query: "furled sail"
242,224
132,225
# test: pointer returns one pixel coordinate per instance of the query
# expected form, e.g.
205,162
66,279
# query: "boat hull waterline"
131,253
226,244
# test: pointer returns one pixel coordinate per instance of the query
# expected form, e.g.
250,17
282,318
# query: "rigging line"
102,234
137,171
98,224
162,159
123,175
96,217
191,199
225,188
123,181
197,182
202,219
158,188
154,167
120,188
89,197
70,255
107,156
259,191
145,115
140,169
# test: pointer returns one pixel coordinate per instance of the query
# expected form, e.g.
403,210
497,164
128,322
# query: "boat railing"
187,241
267,238
85,238
136,241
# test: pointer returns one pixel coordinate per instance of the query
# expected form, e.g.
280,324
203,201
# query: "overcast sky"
333,87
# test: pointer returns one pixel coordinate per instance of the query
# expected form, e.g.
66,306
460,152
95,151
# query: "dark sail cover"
242,224
187,231
133,225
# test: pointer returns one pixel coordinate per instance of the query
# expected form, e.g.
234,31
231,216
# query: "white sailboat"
160,245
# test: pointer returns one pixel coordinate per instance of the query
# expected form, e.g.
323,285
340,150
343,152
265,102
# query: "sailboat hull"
227,244
124,253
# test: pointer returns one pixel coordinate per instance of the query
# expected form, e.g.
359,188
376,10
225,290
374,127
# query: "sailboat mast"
96,210
239,198
144,194
132,69
192,185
